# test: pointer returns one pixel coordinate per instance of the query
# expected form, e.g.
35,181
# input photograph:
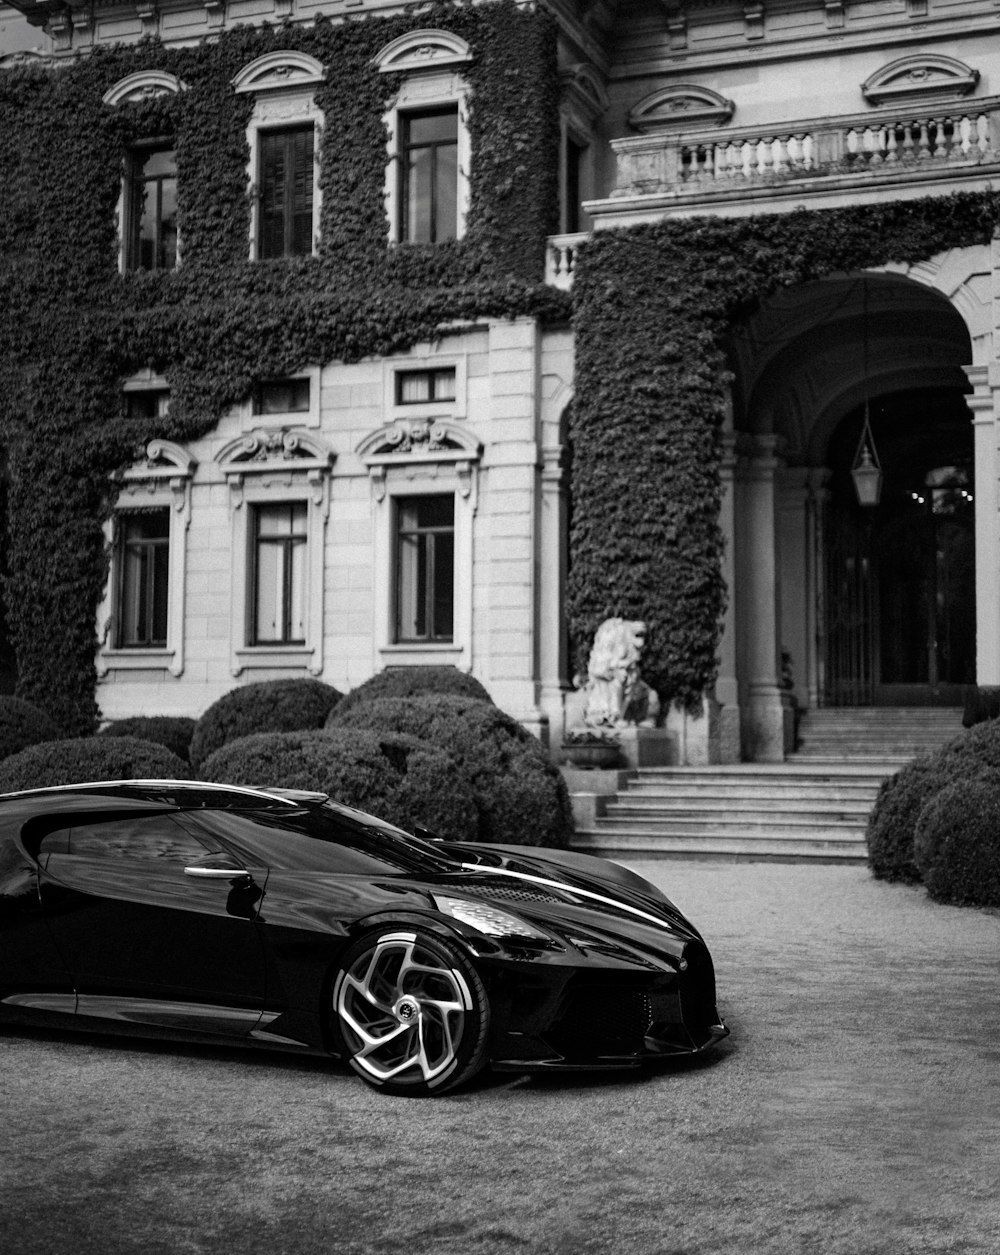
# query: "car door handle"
218,873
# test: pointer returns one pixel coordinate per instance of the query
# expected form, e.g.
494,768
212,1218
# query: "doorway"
899,586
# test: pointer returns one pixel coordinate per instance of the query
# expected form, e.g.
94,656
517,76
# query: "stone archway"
803,365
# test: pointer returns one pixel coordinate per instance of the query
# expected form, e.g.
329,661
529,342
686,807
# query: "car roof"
192,793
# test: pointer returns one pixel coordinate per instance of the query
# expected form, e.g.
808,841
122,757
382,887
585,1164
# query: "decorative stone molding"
284,456
143,85
27,57
676,15
149,17
924,76
683,105
165,464
583,92
410,443
215,13
284,70
422,50
753,19
834,13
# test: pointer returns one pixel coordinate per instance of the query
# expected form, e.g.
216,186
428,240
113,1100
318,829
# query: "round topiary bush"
268,706
173,731
892,823
395,777
957,844
89,758
22,724
521,796
414,682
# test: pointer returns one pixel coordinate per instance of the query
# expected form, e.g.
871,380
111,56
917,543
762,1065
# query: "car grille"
602,1020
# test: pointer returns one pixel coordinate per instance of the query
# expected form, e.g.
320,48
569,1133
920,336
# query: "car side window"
162,839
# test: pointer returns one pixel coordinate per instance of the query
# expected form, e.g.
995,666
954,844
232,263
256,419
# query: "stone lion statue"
617,696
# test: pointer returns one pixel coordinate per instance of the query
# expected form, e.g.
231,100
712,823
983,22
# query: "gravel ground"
854,1111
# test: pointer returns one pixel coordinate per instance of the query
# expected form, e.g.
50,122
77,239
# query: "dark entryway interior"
900,576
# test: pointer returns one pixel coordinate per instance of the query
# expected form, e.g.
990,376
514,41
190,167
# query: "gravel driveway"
854,1111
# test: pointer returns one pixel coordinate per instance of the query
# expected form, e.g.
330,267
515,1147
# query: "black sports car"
282,917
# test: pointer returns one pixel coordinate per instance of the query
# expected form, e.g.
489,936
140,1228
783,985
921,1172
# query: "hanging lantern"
867,470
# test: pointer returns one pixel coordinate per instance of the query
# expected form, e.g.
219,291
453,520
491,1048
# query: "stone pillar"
793,580
986,384
815,673
765,718
552,642
727,689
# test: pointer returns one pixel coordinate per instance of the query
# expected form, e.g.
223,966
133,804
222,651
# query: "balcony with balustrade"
818,163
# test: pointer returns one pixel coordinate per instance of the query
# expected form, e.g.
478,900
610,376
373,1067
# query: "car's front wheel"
410,1012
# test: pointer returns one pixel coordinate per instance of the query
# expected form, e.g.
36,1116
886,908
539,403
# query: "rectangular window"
417,387
425,568
282,396
147,403
574,166
151,209
143,573
285,209
278,612
429,156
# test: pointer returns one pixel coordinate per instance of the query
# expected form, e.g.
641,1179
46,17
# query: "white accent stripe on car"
573,889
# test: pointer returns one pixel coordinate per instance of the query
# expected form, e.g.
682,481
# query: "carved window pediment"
680,106
416,442
919,77
422,50
279,71
280,456
143,85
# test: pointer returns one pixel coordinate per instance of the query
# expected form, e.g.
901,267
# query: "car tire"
410,1013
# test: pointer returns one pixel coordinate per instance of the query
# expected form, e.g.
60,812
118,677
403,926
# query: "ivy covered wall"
652,306
72,328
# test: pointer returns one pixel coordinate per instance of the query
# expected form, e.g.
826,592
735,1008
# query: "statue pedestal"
648,747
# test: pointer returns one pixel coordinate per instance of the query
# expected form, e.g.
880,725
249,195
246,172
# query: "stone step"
815,826
670,808
741,848
716,791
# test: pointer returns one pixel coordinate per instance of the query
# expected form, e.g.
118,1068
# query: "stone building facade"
413,509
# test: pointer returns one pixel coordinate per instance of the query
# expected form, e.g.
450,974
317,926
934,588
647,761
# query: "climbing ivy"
72,328
652,307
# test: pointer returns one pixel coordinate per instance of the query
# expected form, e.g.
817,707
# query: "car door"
145,906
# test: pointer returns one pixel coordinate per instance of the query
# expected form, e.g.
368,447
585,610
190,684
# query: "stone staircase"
813,806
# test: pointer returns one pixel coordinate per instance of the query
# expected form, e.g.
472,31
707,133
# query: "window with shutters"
285,211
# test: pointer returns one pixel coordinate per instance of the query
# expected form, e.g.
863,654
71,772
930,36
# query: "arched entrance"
833,603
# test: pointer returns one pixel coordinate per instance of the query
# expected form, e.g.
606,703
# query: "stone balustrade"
560,258
964,133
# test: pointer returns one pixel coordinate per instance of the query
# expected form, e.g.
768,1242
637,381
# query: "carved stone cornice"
924,76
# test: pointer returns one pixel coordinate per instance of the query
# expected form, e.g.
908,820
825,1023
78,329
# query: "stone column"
815,672
764,722
727,689
552,635
986,384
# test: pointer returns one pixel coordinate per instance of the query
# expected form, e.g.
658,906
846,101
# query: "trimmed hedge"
957,844
21,725
395,777
173,731
892,825
413,682
267,706
521,796
78,761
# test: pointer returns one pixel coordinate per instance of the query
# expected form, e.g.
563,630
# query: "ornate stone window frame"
432,62
414,458
283,84
163,479
269,466
134,88
921,77
583,102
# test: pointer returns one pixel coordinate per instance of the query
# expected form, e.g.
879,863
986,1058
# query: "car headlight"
487,919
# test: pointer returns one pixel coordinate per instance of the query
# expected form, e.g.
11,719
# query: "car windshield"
326,838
